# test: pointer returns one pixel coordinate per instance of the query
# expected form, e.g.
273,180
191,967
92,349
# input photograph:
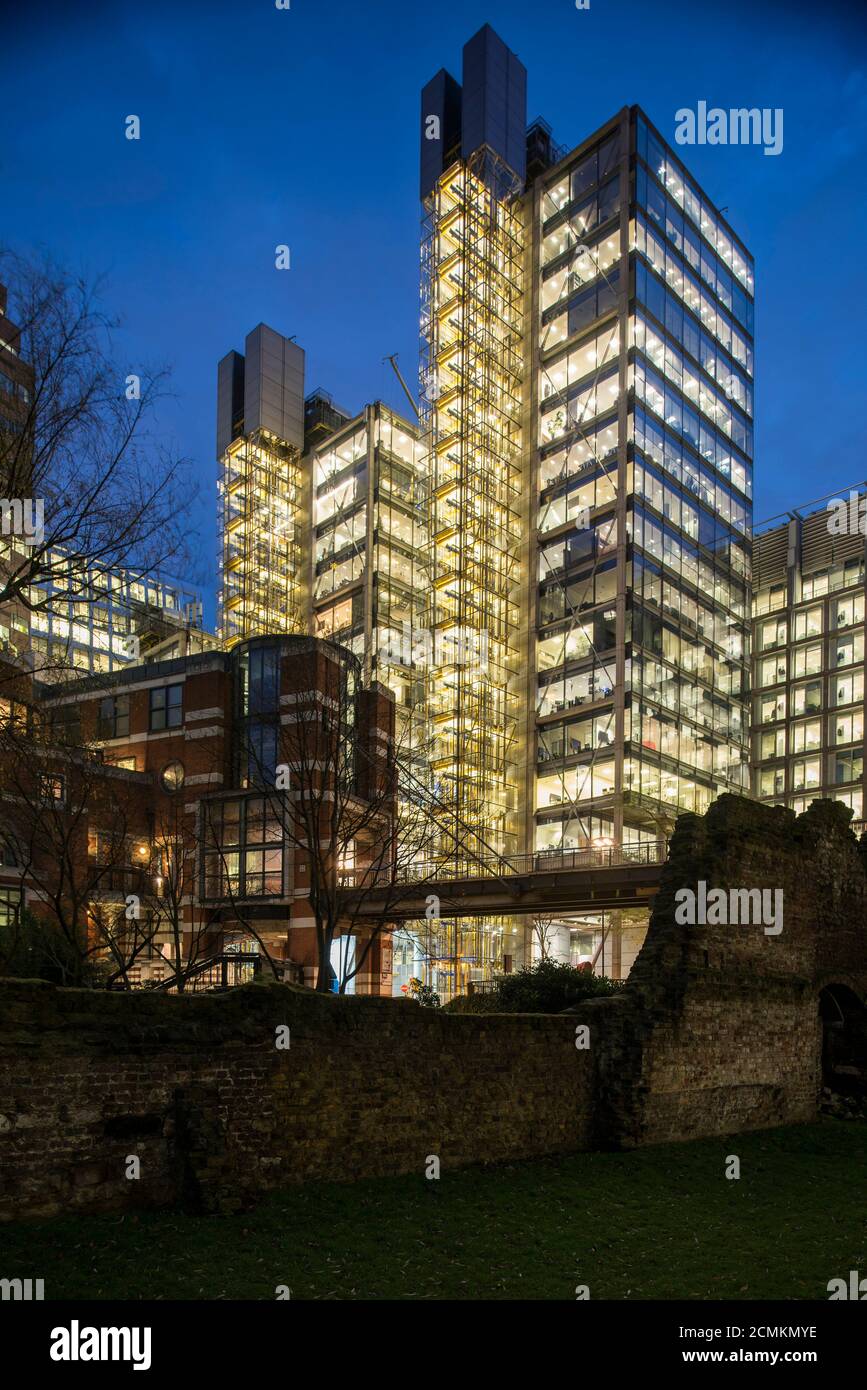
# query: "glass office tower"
473,375
642,329
115,619
613,385
587,363
808,658
570,530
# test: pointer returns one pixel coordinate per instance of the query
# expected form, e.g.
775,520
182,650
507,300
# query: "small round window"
173,777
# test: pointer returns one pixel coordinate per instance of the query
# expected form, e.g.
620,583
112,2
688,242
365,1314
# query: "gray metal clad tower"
230,400
440,128
487,113
261,389
274,386
494,101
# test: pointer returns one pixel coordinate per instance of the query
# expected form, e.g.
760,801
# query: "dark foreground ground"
656,1223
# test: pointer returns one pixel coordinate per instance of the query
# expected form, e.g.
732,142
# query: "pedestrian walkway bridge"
579,880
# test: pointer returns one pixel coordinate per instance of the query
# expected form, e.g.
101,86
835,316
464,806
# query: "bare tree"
542,931
329,786
73,827
80,450
187,926
356,806
179,932
394,867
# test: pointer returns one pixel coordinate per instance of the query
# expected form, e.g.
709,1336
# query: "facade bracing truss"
472,326
263,526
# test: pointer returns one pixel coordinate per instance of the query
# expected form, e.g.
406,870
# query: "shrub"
35,949
545,988
549,987
423,994
487,1003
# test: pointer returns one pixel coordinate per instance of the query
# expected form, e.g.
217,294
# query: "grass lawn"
656,1223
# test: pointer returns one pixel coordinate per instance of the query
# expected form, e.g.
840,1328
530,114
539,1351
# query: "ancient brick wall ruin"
716,1031
198,1089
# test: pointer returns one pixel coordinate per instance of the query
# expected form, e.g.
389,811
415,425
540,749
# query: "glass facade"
370,545
261,569
113,620
258,714
643,494
473,354
606,942
808,664
243,849
474,374
578,499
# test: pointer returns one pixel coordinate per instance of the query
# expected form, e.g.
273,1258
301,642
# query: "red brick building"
217,799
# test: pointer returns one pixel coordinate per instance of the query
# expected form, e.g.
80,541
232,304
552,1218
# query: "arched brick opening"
843,1018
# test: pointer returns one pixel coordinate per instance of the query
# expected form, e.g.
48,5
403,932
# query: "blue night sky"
262,126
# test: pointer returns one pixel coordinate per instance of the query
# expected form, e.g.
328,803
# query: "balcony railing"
215,973
495,866
123,880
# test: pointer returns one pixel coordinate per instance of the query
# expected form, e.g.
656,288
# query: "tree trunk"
325,975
